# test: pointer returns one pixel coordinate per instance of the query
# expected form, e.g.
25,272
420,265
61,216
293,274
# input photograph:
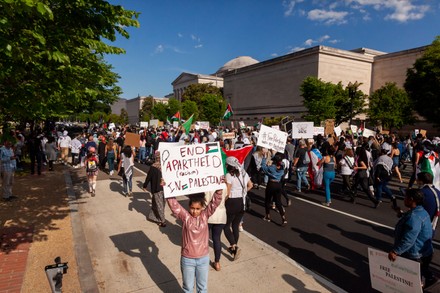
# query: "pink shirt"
195,232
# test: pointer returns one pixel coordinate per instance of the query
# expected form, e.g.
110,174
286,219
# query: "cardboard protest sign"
271,138
228,135
188,169
154,122
423,132
384,132
402,275
367,133
318,130
329,127
302,130
132,139
144,124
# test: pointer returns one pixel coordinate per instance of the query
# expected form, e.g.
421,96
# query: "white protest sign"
154,122
277,127
368,133
338,130
144,124
318,130
176,124
242,125
354,128
302,129
401,275
271,138
188,169
202,125
111,126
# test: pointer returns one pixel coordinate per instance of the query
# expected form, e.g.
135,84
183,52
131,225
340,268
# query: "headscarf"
156,163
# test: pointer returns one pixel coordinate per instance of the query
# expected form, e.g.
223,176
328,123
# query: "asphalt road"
332,242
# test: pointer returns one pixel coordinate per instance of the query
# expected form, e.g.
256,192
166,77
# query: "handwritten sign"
318,130
272,138
154,122
303,130
329,127
338,130
368,132
242,125
144,124
132,139
188,169
402,275
228,135
354,128
202,125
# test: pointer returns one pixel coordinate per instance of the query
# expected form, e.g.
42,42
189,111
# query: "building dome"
236,63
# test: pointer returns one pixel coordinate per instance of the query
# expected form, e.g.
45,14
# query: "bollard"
55,274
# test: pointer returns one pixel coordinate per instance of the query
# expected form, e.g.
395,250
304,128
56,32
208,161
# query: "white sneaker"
240,228
111,173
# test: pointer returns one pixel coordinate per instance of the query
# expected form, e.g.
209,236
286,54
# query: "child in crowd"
194,261
92,163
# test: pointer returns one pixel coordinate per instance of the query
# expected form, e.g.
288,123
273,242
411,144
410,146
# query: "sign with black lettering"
188,169
272,138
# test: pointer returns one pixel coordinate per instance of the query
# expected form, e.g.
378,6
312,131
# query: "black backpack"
382,173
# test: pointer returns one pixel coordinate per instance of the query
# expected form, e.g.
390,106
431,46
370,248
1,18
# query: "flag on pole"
168,120
176,117
228,112
187,124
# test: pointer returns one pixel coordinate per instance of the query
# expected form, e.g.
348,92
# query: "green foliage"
124,116
272,121
51,56
423,83
189,108
390,107
160,111
325,100
145,113
212,108
173,107
195,92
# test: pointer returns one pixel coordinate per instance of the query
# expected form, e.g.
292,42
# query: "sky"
200,36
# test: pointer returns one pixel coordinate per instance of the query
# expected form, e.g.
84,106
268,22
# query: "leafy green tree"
212,108
423,83
124,116
160,111
390,107
173,106
189,108
325,100
145,111
195,92
51,56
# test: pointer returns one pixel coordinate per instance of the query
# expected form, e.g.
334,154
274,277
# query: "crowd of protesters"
368,163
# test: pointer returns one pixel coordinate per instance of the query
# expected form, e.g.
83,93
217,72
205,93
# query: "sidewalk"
130,254
111,247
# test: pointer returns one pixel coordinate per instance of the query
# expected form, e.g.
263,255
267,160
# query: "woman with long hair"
127,163
238,184
273,190
328,163
362,175
154,178
111,150
395,156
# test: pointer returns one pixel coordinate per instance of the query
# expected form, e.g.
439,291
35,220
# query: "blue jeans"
328,178
127,182
111,160
301,176
142,154
195,268
382,186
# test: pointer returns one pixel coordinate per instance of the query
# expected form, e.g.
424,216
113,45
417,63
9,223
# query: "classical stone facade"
185,79
272,88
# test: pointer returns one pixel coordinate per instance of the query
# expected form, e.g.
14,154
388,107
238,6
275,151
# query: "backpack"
382,172
91,165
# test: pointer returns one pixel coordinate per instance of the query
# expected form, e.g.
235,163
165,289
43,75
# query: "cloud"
159,49
289,5
274,55
179,35
310,42
402,10
327,16
296,49
198,46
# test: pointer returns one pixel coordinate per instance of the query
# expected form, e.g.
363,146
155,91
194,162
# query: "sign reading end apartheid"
272,139
188,169
401,275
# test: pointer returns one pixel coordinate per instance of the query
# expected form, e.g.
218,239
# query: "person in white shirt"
64,145
75,147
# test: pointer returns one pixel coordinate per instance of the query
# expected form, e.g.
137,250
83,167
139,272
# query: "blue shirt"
272,171
413,234
7,165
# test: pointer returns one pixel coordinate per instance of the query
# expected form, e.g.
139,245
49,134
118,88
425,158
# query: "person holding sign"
273,190
238,184
194,261
413,234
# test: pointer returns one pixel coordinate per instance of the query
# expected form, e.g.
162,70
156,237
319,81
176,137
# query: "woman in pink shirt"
194,261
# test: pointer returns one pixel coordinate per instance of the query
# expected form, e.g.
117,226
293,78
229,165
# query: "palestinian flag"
212,148
176,117
240,154
228,112
187,124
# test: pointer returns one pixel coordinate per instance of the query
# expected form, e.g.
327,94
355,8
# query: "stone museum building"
272,88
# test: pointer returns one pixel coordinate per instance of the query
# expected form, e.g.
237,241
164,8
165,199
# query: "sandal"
162,224
216,266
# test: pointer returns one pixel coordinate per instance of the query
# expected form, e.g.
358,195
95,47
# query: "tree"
195,92
212,108
124,116
390,107
325,100
423,83
173,106
160,111
189,108
145,111
51,56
